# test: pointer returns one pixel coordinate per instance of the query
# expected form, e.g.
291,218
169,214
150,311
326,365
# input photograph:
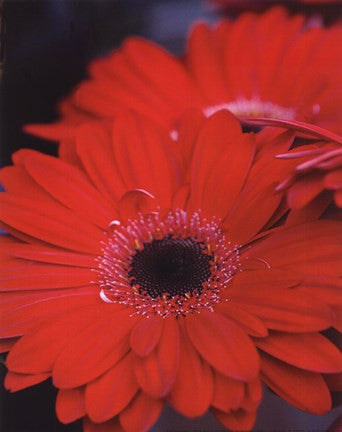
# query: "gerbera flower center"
175,263
175,266
242,107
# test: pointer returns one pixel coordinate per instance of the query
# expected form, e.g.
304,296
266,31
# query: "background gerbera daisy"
154,272
268,65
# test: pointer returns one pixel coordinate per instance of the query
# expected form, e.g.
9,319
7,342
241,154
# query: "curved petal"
51,223
144,157
141,413
108,337
310,351
112,425
220,144
16,381
305,390
37,351
146,334
228,393
68,185
70,405
109,394
192,390
223,344
239,420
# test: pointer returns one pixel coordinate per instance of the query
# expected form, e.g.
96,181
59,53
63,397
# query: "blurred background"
45,47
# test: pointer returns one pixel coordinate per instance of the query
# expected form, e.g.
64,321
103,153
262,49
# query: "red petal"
166,77
68,185
112,425
145,335
133,202
310,351
228,393
333,180
168,351
253,395
192,391
100,166
304,190
42,276
141,413
223,344
36,351
109,394
283,309
209,164
204,63
150,377
49,255
144,157
309,129
15,382
251,324
239,420
6,344
51,223
107,337
22,311
70,405
305,390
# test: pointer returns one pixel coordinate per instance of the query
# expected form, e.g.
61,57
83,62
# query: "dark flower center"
171,267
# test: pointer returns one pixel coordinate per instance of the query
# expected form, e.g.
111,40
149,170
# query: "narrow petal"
112,425
68,185
23,312
70,405
220,144
150,377
223,344
305,390
109,394
100,166
283,309
192,390
49,255
148,148
51,223
310,351
108,337
145,335
168,351
239,420
141,413
228,393
15,381
37,351
250,323
43,276
304,190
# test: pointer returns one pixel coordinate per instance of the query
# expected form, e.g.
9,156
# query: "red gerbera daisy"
150,270
269,65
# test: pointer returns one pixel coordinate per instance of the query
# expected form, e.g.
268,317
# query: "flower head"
268,65
149,269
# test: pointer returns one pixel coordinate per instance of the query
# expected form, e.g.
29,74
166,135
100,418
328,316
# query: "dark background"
46,46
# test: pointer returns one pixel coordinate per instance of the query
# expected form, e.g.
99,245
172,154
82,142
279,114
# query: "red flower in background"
262,4
318,169
150,270
268,65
